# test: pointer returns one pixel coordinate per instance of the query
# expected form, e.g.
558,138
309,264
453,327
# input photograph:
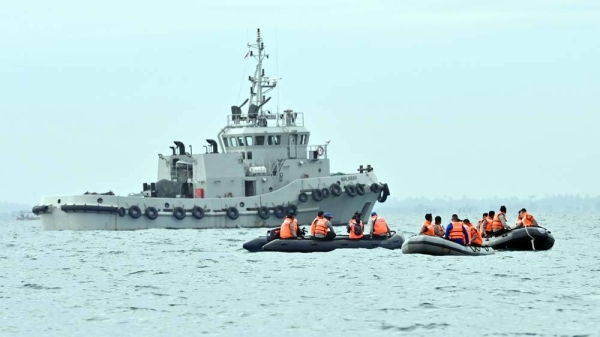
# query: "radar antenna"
261,84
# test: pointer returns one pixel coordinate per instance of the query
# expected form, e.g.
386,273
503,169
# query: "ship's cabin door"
292,149
250,187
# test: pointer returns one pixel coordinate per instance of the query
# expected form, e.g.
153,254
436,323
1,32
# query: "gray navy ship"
260,168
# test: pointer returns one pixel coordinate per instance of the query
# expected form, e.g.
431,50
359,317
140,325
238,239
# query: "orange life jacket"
379,226
321,226
527,219
430,229
481,226
488,223
354,236
475,236
313,225
496,223
457,231
285,232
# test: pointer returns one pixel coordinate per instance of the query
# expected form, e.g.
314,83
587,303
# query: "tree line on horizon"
551,204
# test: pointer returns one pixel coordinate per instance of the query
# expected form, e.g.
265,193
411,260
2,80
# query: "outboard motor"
273,234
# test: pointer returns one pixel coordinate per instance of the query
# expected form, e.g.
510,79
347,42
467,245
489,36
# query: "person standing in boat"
456,231
355,227
474,236
324,229
527,220
499,225
379,229
289,228
314,223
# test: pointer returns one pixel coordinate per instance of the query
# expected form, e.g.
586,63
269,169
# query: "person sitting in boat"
481,224
428,228
438,228
289,228
379,228
355,227
314,223
324,229
456,231
527,220
499,225
474,236
489,221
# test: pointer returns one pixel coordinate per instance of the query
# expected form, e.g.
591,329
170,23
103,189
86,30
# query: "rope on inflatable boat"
532,238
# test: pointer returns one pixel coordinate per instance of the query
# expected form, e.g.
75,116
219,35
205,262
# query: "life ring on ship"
179,213
375,188
292,209
325,192
317,195
336,190
350,190
151,213
302,197
121,211
279,211
264,213
320,150
198,212
360,189
135,211
232,213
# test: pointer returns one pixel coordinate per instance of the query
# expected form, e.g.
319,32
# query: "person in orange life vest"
379,229
314,223
427,228
289,228
324,229
481,224
474,236
527,220
356,227
437,227
456,231
488,223
499,225
519,221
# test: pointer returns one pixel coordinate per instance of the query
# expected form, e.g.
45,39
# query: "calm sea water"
191,283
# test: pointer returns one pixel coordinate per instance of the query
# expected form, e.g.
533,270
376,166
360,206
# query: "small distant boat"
525,238
310,245
433,245
26,216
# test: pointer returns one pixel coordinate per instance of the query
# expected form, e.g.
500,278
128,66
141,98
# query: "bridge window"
225,141
240,141
249,140
274,140
303,140
233,142
260,140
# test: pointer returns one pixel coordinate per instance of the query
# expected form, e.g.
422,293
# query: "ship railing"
286,119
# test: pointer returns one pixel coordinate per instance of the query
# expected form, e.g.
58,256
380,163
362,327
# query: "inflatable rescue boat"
524,238
433,245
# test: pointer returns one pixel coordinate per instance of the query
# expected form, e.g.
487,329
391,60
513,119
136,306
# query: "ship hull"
110,212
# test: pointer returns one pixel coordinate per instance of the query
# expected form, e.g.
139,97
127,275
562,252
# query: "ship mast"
261,84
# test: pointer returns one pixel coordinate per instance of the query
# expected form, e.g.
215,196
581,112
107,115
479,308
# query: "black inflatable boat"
525,238
310,244
433,245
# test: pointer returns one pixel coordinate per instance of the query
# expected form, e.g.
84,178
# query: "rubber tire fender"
151,213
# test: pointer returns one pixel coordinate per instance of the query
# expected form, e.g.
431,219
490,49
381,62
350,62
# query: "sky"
442,98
